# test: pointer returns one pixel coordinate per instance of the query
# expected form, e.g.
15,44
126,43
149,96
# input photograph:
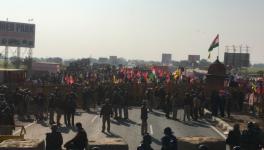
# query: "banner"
17,34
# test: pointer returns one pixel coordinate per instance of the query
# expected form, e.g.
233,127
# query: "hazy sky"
140,29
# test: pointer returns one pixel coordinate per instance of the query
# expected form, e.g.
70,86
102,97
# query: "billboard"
237,59
193,58
17,34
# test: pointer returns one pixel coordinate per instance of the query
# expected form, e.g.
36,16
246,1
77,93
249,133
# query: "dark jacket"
80,141
106,110
169,142
54,141
144,113
144,147
233,138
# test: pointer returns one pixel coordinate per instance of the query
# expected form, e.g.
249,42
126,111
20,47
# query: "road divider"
150,129
94,118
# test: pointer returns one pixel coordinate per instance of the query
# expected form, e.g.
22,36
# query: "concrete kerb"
224,126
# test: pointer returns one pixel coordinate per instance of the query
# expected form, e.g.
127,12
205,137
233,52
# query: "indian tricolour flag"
213,45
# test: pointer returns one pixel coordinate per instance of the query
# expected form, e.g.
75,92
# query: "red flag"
71,80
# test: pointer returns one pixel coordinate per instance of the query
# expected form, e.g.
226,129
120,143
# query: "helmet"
54,128
167,131
147,139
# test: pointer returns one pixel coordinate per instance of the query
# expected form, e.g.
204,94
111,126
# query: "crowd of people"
114,90
251,138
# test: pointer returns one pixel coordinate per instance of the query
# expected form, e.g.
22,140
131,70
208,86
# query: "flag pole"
218,47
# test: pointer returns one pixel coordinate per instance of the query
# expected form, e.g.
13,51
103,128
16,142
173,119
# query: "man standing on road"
175,106
106,113
187,106
125,99
167,106
115,103
51,108
144,117
70,109
59,104
169,141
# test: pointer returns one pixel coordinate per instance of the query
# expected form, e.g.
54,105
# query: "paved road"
130,130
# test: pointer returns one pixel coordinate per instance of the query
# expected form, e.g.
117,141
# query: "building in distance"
166,59
193,58
113,60
45,67
103,60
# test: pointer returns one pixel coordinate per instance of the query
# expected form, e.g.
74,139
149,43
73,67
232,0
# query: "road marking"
150,129
216,130
94,118
18,131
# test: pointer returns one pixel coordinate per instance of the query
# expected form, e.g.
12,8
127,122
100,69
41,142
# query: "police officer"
59,104
169,141
70,109
80,141
187,106
175,106
144,117
234,137
6,117
146,143
167,106
54,139
106,113
120,103
250,139
51,108
86,98
195,106
125,100
115,103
